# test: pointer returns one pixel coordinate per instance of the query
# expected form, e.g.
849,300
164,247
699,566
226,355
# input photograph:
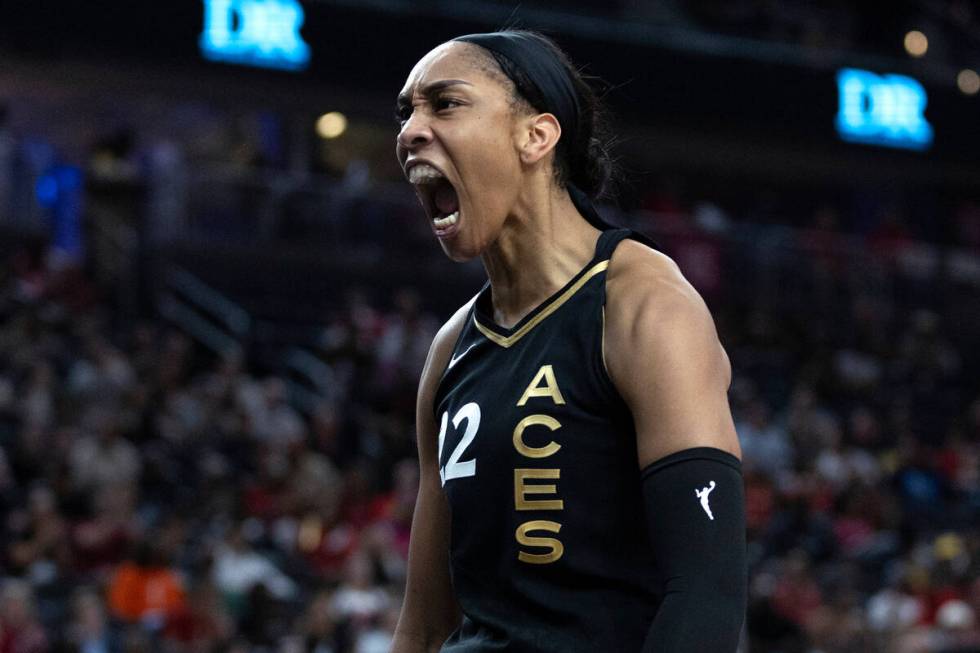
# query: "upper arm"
425,423
435,364
430,611
664,356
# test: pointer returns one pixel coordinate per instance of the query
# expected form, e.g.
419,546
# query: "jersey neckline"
505,337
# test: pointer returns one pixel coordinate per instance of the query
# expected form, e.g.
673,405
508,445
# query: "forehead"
451,60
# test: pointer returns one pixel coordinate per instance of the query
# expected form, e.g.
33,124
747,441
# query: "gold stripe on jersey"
602,345
507,341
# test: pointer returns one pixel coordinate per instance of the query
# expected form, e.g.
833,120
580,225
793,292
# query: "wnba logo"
255,33
882,110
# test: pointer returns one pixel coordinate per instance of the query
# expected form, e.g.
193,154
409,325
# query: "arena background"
217,294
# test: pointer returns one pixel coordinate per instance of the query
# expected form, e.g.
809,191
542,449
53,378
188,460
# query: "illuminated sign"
255,33
882,110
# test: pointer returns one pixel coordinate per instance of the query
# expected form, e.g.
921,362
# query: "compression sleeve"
695,510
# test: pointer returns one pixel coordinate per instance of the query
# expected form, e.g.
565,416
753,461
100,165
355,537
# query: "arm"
430,612
664,357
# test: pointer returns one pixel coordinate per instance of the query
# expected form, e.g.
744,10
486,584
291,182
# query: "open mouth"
437,194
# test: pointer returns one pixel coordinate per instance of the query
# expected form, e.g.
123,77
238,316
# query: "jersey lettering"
544,384
555,546
522,489
549,389
536,452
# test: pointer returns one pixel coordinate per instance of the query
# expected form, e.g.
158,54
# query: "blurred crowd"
854,344
155,496
156,499
862,487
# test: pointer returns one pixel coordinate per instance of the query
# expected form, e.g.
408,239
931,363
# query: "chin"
458,253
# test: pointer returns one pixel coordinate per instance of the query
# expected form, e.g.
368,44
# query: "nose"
415,132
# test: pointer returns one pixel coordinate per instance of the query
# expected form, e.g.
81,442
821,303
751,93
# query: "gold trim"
507,341
602,345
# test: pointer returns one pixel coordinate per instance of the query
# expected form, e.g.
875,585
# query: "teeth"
448,221
423,174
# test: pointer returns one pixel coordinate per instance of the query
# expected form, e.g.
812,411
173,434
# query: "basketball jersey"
537,455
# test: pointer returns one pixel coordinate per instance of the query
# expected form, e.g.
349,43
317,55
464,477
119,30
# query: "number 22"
454,468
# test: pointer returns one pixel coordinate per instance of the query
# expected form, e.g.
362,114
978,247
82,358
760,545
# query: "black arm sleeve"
695,508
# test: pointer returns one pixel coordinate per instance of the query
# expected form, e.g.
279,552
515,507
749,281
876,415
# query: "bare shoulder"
441,350
663,354
435,364
645,289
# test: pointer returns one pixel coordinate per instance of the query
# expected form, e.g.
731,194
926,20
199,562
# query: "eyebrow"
430,89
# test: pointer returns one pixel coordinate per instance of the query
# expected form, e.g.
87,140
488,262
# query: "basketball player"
581,488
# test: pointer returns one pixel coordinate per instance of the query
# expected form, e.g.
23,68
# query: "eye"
446,103
403,113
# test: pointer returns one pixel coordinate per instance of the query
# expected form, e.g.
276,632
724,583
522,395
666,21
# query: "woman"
580,487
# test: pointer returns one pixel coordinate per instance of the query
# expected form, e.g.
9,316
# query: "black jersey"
537,454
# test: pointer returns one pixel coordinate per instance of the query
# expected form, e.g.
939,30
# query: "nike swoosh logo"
455,359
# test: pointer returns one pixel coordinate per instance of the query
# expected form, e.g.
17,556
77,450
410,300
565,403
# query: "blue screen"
261,33
882,110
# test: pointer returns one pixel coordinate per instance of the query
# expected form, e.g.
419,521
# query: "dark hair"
583,158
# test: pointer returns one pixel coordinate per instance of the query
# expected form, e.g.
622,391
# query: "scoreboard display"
834,107
263,33
882,110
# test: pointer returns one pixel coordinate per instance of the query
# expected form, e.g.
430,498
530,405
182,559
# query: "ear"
541,137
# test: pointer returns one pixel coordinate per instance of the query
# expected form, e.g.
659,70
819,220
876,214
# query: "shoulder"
441,350
649,299
663,355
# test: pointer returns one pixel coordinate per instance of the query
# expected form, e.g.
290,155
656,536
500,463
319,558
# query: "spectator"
105,458
202,624
359,600
44,538
20,631
90,630
318,627
765,446
146,590
238,569
102,540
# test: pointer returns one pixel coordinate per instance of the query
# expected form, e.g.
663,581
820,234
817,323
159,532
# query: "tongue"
446,200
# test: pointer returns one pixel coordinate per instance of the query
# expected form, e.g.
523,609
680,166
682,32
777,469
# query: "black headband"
545,71
552,84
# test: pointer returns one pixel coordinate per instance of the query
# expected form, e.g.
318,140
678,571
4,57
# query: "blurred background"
216,296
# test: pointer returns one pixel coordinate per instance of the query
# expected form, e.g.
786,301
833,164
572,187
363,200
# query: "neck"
543,244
